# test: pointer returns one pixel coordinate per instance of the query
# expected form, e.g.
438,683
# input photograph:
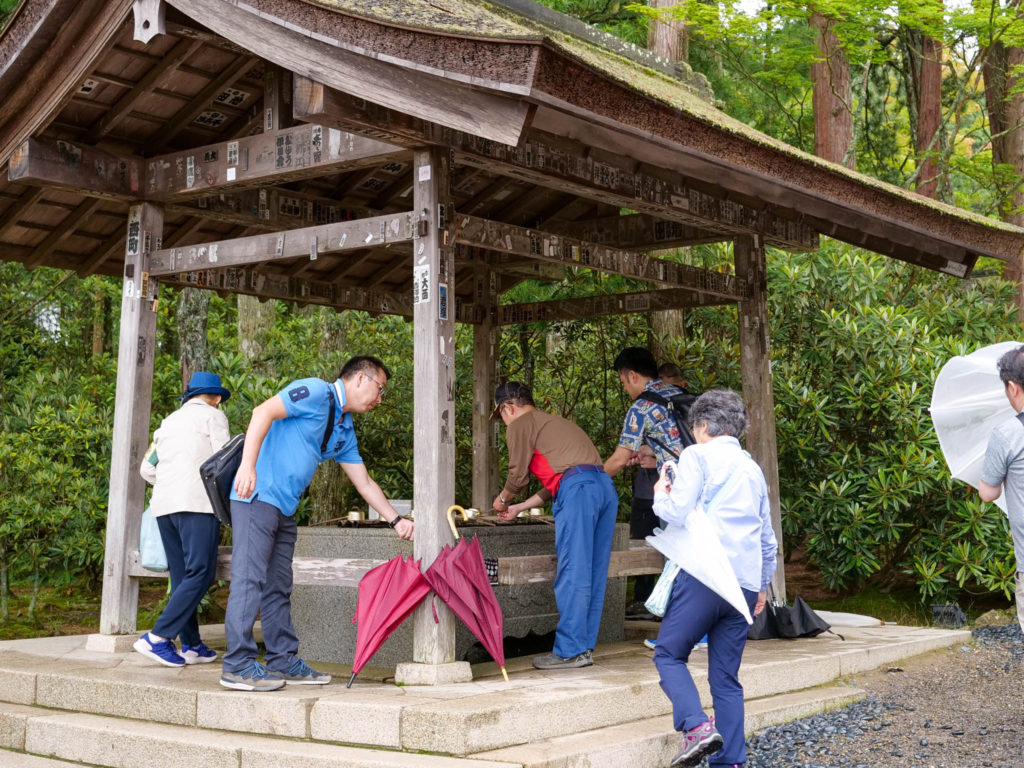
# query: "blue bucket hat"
203,383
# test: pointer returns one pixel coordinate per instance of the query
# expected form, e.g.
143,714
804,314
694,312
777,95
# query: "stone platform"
63,704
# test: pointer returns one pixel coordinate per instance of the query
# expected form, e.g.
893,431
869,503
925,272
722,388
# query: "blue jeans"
190,541
263,543
693,611
584,509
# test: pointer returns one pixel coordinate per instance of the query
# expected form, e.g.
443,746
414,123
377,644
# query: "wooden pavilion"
333,151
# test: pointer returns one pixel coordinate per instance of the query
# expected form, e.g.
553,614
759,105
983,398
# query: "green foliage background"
857,340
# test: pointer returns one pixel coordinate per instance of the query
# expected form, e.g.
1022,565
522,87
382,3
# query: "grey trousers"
263,543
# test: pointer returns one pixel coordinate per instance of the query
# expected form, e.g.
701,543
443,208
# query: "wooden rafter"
11,216
601,306
62,232
158,74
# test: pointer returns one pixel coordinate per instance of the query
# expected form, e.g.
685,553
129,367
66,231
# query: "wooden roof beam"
275,246
544,246
636,232
11,216
602,306
561,164
299,152
253,282
79,168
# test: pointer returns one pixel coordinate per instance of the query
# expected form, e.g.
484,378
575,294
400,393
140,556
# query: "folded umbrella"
459,577
387,595
968,401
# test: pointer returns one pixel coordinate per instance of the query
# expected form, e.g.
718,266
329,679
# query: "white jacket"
184,440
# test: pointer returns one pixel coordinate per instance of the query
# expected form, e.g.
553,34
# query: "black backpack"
218,471
678,406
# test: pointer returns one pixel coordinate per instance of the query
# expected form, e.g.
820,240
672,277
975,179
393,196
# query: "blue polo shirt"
291,450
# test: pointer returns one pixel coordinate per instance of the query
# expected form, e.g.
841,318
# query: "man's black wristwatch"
393,523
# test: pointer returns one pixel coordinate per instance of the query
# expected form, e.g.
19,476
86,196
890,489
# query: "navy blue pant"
190,541
585,509
693,611
263,542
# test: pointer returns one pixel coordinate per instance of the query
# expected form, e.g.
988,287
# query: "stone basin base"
323,614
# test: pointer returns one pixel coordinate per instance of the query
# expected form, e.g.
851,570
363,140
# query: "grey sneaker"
554,661
302,674
255,677
698,743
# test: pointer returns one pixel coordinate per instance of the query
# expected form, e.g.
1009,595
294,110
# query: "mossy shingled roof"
481,20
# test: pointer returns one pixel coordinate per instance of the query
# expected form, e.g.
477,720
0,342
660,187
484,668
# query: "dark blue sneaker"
162,651
198,654
301,673
255,677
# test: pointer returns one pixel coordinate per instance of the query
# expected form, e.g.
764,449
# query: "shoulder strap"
1020,417
653,397
330,423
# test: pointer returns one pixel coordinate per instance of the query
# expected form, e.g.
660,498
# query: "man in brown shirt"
569,468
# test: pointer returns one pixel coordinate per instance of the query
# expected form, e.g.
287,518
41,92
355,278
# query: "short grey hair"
721,411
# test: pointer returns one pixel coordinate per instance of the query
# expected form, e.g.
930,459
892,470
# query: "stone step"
98,740
468,718
652,742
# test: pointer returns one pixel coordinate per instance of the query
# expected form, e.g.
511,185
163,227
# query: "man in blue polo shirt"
287,437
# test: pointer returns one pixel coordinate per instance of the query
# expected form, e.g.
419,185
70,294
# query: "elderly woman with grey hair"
718,478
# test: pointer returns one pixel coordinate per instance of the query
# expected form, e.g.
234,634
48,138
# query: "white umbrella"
968,401
696,548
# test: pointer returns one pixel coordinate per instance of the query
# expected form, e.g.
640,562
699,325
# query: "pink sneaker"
698,743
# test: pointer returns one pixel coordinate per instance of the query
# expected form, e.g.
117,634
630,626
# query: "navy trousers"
190,541
263,543
693,611
585,509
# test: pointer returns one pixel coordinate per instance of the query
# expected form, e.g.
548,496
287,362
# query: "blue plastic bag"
151,547
658,602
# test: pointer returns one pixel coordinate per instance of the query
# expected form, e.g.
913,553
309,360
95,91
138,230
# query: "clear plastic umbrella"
968,401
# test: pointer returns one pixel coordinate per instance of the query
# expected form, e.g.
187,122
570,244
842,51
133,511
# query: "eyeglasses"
380,387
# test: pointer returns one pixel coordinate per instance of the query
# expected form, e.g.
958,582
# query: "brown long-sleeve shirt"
547,445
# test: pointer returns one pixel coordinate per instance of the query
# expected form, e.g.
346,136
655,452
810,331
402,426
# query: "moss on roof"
451,17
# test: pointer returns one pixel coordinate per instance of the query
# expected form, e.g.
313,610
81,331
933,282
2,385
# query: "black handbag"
218,474
218,471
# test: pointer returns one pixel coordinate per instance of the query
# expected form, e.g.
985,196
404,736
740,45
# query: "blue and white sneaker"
301,673
162,651
651,644
255,677
198,654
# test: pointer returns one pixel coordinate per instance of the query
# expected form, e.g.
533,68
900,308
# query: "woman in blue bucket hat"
188,528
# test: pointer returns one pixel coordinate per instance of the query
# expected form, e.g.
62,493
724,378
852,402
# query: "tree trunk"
1005,115
671,40
924,102
255,321
4,584
328,489
193,311
99,316
668,331
833,98
667,37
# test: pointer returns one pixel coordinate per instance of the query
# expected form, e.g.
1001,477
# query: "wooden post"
433,409
486,348
755,366
131,419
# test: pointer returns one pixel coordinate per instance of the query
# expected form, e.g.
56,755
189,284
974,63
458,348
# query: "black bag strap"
330,422
685,436
1020,417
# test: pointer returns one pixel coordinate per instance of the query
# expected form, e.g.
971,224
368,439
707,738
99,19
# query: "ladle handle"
451,522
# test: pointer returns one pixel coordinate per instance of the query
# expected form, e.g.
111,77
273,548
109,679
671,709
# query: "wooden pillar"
277,98
433,409
755,365
486,348
131,419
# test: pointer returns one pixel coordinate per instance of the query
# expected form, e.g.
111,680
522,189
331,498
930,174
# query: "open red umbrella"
387,595
459,577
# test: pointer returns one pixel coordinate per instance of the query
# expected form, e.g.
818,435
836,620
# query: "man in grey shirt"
1004,463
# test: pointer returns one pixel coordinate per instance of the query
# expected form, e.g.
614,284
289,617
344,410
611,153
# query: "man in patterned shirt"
649,426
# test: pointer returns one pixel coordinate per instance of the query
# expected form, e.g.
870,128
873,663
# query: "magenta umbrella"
387,595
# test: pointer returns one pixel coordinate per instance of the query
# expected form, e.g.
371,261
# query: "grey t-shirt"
1004,465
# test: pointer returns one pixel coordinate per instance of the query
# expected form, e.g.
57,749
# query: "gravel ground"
961,708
